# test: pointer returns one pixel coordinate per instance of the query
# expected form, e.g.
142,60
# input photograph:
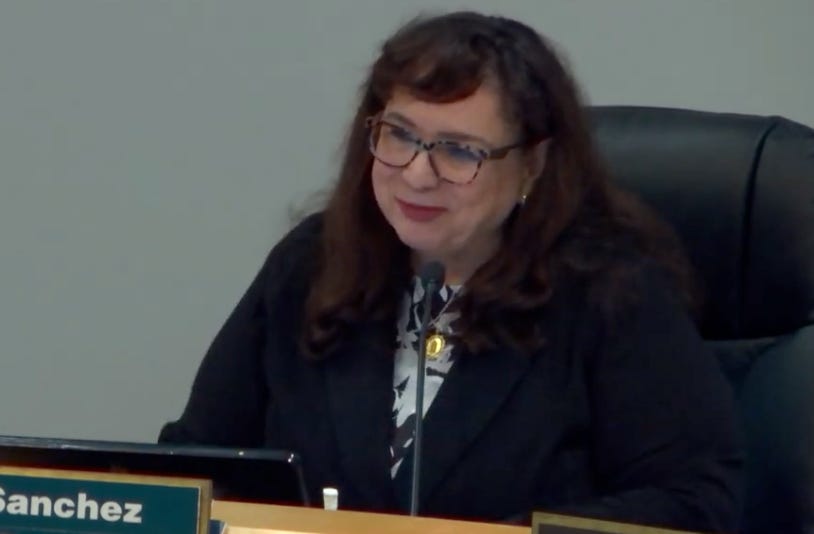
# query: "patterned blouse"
404,375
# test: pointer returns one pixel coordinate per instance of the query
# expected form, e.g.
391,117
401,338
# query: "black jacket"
623,416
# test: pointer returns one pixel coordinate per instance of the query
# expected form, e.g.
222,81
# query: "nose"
420,174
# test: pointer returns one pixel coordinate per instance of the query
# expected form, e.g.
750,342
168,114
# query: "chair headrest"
739,190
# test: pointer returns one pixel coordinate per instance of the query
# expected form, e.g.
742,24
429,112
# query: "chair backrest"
739,190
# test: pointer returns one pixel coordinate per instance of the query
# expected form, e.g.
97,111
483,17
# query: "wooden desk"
245,518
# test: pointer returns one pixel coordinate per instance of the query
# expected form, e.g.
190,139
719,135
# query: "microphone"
432,277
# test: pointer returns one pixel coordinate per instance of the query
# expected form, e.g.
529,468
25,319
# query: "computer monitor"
248,475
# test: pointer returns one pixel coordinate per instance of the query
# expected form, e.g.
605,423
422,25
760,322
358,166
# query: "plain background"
152,151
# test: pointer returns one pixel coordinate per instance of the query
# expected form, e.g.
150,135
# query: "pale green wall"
150,150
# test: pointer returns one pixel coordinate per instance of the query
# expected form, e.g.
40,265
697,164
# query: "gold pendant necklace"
436,342
435,345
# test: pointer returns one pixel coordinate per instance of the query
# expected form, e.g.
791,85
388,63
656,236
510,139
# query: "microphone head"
432,273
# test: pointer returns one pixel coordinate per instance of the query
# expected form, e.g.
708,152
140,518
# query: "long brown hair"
572,220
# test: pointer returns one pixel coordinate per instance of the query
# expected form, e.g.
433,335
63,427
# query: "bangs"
436,67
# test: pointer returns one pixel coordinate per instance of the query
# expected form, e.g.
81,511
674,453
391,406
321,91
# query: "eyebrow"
445,135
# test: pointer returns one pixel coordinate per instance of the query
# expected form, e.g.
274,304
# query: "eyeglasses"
451,161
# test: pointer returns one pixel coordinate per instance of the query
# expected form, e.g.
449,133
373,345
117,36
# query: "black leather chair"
739,190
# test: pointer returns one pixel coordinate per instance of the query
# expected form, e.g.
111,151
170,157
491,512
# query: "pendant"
435,345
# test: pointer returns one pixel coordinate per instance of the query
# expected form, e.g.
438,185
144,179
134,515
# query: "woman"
563,373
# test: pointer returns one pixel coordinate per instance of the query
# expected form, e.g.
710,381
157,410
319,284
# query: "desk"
243,518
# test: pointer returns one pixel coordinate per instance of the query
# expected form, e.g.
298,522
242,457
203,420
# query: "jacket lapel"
471,395
359,380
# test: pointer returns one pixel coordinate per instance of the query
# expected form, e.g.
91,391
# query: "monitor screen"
248,475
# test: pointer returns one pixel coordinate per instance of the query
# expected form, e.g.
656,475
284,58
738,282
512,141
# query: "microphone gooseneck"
432,277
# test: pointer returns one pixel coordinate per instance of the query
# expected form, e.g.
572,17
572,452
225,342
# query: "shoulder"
631,317
628,293
303,235
291,262
635,311
627,282
616,268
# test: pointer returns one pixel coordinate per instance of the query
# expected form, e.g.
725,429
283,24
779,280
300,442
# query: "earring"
523,198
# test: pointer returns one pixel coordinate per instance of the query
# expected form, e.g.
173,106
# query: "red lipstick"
418,213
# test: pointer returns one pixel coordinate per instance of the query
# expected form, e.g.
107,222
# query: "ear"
535,160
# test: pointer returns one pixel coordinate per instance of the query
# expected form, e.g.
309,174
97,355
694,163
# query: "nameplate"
79,502
546,523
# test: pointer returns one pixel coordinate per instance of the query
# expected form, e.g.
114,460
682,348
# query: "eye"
461,153
397,133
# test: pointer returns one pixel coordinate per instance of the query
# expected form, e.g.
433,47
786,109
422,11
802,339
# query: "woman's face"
459,225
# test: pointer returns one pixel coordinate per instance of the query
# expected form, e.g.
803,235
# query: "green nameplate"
40,501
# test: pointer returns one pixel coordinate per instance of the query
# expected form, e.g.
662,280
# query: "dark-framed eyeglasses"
452,161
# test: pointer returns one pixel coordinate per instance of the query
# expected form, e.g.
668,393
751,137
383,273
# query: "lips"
419,213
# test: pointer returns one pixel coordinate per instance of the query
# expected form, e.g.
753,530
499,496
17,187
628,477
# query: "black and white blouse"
404,374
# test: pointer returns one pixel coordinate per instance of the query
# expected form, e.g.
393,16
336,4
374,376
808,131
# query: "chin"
422,240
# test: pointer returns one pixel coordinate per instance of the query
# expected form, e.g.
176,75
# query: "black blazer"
621,415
